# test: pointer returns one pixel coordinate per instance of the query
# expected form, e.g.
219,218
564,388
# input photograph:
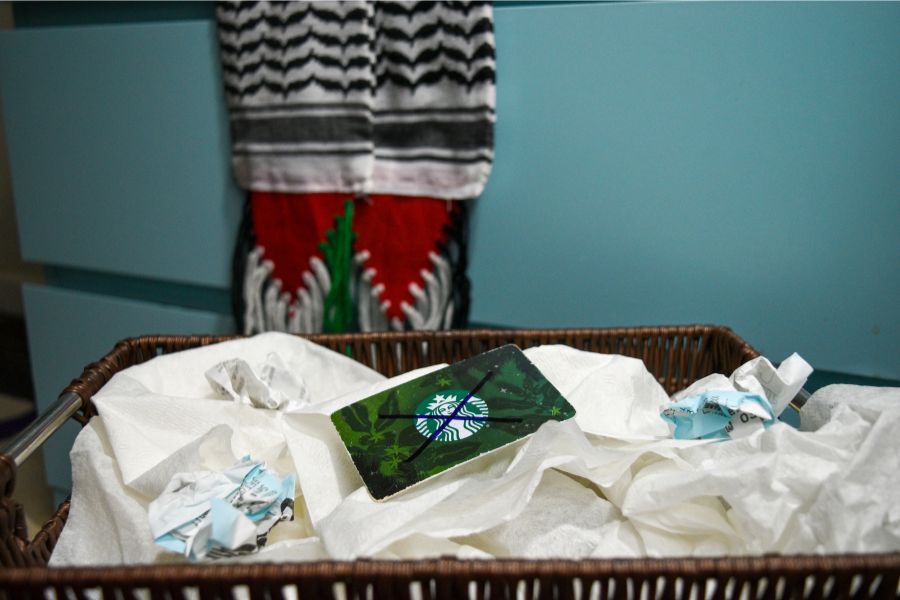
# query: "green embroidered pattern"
338,249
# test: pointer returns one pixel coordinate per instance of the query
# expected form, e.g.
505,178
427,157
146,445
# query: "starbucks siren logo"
442,405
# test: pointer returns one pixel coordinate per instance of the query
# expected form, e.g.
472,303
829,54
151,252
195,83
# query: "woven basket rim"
452,568
187,573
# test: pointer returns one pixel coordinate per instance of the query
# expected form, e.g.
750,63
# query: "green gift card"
408,433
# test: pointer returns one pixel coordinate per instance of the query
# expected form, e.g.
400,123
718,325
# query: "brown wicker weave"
677,356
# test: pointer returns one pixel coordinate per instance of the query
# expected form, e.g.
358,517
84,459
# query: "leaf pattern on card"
406,434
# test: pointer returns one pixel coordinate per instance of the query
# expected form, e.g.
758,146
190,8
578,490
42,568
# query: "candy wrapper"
207,514
719,414
751,399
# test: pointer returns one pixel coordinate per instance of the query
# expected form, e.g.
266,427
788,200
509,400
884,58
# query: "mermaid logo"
466,422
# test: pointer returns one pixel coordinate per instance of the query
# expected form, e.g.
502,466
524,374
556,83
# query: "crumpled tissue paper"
270,386
820,406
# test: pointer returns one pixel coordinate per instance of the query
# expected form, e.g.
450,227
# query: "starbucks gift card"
406,434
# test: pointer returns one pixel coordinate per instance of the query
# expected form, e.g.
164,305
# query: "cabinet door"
118,145
699,162
68,329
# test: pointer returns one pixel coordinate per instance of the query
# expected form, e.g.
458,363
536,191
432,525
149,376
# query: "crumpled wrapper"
737,406
223,513
610,483
719,414
271,385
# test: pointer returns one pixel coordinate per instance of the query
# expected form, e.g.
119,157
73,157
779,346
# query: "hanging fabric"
359,128
399,262
433,106
298,83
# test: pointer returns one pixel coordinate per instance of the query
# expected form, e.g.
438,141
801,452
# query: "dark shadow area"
15,368
59,14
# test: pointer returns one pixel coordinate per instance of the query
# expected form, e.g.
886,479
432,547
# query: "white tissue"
153,409
564,519
212,451
772,489
325,374
613,395
483,493
818,409
107,522
639,491
113,524
162,416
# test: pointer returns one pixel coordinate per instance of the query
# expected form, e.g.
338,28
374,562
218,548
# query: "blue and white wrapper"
208,514
718,414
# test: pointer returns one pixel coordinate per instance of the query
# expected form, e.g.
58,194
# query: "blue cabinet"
118,146
726,162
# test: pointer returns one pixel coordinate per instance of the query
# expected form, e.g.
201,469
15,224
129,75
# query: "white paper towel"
157,407
639,491
107,522
613,395
818,409
564,519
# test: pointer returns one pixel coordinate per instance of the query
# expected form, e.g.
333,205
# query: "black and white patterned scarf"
360,97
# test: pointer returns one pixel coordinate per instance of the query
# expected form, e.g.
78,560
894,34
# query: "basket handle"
15,548
29,440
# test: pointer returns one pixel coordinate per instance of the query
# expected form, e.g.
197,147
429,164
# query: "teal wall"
118,147
733,163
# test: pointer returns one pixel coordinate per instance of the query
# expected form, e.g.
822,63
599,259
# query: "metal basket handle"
31,438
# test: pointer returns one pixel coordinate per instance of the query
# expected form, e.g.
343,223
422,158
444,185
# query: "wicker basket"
676,355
